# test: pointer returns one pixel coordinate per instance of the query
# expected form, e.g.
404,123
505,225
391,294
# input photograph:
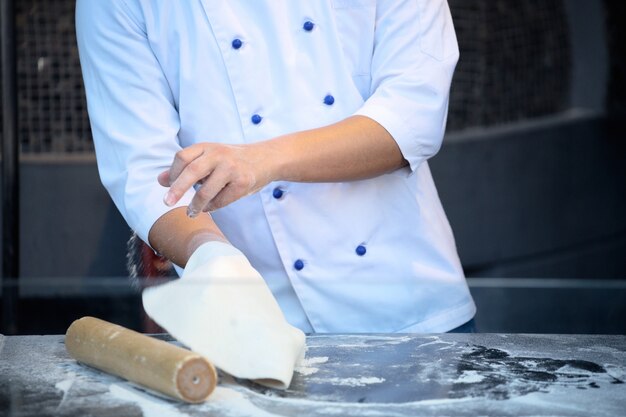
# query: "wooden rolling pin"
150,362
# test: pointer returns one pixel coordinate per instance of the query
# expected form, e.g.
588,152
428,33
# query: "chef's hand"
353,149
223,173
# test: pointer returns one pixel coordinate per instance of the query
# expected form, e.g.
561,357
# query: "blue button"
277,193
360,250
256,119
298,265
308,26
329,100
236,43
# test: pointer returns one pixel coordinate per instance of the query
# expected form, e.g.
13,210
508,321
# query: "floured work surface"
349,375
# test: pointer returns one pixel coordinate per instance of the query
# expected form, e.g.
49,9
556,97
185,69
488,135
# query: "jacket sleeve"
132,112
415,53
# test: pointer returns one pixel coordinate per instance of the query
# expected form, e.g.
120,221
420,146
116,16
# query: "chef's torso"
375,255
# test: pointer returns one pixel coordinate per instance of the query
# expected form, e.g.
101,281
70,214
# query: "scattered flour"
355,382
305,366
469,377
235,402
151,406
64,386
615,371
372,340
436,341
351,408
223,399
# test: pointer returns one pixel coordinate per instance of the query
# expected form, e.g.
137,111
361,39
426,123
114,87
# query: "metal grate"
515,65
515,61
52,106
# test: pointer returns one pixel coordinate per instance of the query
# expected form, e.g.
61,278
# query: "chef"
292,134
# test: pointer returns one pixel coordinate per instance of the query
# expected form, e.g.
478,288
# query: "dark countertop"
349,375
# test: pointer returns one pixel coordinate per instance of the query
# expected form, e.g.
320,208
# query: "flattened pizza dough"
223,309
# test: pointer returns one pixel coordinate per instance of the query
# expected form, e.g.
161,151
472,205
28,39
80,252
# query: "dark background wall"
532,173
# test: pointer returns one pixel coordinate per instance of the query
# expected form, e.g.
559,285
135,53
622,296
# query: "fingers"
183,159
212,186
229,194
194,172
164,178
186,170
223,173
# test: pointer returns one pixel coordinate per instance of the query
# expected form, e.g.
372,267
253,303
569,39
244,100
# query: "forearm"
176,236
355,148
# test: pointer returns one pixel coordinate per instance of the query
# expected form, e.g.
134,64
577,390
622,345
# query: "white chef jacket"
376,255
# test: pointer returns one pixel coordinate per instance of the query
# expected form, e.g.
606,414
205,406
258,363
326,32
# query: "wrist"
176,236
272,156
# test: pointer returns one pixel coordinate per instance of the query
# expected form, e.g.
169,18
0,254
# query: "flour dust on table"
352,375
